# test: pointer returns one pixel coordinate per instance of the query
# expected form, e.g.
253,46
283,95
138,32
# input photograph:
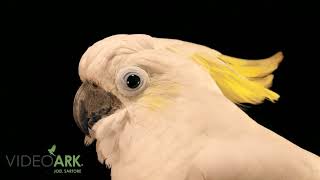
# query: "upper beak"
90,104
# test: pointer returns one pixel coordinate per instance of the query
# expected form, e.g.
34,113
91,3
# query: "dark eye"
133,81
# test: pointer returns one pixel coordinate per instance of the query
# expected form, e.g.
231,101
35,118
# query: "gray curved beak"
91,103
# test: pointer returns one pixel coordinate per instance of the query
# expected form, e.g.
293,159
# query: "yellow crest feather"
240,80
254,68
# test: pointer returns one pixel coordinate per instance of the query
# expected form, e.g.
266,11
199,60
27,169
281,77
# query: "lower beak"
91,103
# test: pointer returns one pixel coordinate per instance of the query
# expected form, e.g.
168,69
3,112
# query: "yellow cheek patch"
153,102
157,97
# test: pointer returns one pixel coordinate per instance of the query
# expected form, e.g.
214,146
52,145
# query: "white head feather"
159,130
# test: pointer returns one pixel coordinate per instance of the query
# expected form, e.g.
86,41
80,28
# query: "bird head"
135,88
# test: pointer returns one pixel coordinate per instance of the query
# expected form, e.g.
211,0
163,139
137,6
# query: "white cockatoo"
163,109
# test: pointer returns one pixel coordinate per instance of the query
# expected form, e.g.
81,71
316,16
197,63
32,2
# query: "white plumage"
184,125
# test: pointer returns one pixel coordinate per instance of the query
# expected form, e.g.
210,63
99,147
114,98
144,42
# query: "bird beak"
92,103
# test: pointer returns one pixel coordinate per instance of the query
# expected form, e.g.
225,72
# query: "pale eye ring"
131,80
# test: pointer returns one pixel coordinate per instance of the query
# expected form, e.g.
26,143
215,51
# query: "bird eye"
131,81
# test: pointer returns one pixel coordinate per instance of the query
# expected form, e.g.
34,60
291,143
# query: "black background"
42,43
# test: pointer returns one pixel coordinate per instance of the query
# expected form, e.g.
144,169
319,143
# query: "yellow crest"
240,80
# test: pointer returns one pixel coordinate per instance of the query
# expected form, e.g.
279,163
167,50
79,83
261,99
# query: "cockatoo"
164,109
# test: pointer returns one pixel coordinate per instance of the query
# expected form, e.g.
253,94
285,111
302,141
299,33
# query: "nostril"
94,85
